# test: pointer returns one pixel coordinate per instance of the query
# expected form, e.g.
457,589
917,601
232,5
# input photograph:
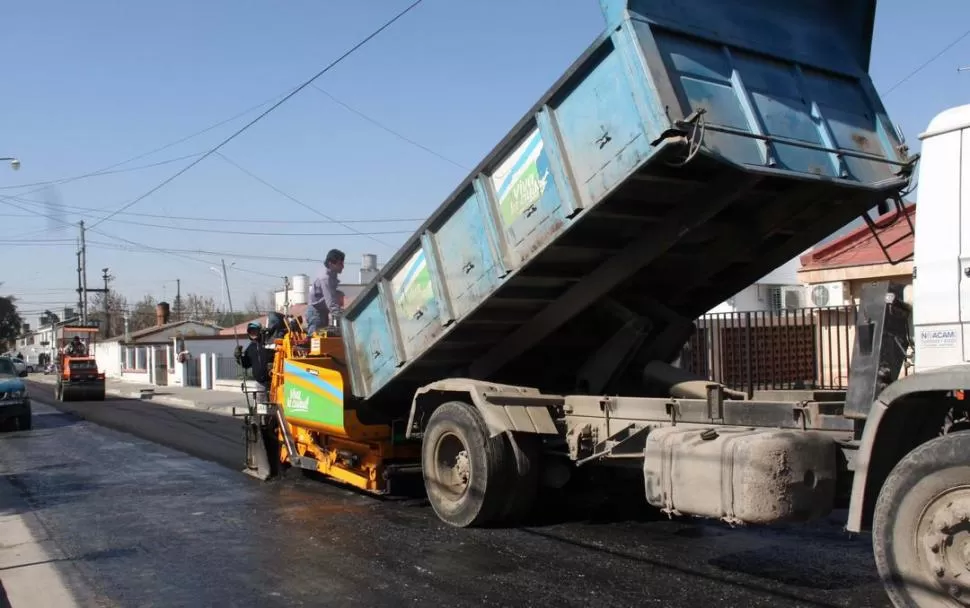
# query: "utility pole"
286,296
84,278
80,291
107,308
106,333
178,299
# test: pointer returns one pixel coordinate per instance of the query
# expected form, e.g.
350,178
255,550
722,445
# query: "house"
779,289
38,346
835,272
148,355
297,310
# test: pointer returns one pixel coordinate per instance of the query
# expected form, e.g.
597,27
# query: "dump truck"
529,330
78,376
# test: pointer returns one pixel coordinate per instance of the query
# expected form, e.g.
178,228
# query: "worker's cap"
253,325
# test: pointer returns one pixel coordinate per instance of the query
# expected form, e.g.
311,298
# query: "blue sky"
90,84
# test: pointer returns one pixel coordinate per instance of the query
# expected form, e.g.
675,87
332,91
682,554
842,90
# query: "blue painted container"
693,148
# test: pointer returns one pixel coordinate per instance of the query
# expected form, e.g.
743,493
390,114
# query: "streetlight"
14,162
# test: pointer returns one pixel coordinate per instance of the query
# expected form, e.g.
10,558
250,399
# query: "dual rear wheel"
473,479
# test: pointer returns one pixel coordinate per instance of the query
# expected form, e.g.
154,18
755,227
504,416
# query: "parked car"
19,365
15,409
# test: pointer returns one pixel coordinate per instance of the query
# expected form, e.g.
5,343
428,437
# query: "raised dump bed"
693,148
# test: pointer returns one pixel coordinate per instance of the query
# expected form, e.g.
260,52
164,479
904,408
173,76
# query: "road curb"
135,395
173,401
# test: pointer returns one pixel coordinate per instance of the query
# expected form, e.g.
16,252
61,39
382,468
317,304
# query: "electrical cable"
258,233
927,63
248,125
296,200
143,155
389,130
221,220
3,200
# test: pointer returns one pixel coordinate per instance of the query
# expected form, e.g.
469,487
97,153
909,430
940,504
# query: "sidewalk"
30,559
217,402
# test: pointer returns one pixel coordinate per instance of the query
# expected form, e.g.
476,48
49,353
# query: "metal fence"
227,368
193,372
806,348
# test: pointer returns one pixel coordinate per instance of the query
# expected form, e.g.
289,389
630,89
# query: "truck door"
941,284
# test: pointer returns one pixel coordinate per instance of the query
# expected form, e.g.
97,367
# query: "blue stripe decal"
289,368
513,172
412,270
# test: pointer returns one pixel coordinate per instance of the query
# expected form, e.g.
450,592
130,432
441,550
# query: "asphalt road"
149,525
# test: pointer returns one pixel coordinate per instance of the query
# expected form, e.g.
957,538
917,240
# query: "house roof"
860,247
155,329
297,310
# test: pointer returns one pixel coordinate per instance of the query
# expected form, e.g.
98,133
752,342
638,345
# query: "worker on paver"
256,356
323,301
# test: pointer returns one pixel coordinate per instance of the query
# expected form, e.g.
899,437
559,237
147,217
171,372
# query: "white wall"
220,346
755,297
108,356
745,300
787,274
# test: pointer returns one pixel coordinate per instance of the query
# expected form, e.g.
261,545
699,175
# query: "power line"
149,153
228,254
5,200
224,220
296,200
390,130
258,233
167,161
262,115
927,62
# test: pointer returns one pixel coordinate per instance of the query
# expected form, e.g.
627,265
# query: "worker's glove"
238,352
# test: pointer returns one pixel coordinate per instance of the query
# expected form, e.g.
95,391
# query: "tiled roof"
148,331
860,248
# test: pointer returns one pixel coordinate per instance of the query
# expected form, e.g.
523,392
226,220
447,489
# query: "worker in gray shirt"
323,300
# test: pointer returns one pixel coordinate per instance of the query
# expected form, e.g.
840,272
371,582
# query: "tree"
199,308
257,306
49,318
117,304
143,314
227,319
10,323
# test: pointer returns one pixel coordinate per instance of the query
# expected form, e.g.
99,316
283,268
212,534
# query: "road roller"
78,376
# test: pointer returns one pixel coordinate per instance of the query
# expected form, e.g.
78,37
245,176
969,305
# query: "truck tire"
921,525
465,470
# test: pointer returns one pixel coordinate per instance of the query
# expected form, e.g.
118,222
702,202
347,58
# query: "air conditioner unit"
792,298
835,293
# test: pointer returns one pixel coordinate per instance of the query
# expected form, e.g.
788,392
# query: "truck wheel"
25,422
921,525
464,469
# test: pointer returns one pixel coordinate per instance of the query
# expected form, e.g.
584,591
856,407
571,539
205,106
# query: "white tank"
301,284
368,268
